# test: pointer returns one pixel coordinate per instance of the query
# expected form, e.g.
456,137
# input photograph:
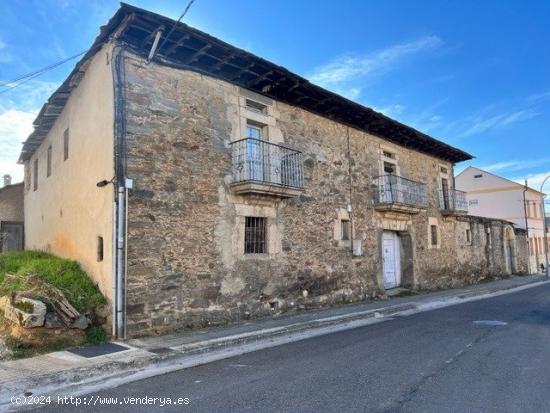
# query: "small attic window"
478,176
256,107
388,154
443,170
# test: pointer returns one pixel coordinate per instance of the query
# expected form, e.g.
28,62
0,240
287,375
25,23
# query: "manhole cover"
98,350
490,322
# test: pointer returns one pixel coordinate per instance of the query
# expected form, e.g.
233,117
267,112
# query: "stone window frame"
394,159
271,131
433,221
342,214
273,232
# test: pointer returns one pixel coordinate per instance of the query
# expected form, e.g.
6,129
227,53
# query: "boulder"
82,322
25,317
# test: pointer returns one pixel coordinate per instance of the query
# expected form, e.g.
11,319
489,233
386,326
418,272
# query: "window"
49,161
256,107
99,249
488,234
255,235
388,154
478,176
443,170
433,234
253,131
389,168
468,236
344,230
66,144
35,175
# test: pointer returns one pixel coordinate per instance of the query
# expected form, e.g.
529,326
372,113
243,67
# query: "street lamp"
545,228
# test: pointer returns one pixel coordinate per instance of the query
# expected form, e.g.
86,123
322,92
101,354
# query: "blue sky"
471,73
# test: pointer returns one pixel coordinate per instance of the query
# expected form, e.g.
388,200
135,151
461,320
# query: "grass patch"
64,274
24,306
95,335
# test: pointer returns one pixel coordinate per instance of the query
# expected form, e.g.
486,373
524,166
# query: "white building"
493,196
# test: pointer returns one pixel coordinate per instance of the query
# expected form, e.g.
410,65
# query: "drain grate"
490,323
98,350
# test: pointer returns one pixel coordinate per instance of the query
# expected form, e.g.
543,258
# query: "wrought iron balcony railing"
453,200
395,190
263,162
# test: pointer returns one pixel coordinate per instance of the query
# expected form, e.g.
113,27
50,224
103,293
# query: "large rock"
22,317
82,322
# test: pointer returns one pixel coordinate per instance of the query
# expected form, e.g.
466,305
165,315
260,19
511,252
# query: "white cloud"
349,68
15,127
480,124
535,180
390,110
516,165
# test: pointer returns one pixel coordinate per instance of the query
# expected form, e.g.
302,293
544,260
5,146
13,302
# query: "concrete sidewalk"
65,373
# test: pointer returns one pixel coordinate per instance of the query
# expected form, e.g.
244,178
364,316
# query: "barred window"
255,235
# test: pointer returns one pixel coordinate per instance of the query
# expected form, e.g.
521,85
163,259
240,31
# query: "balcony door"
254,155
445,193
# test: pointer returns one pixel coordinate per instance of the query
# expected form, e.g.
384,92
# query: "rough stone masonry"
186,264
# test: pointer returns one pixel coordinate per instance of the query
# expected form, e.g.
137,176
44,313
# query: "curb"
83,380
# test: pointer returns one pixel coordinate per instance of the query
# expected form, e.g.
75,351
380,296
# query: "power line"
176,23
42,70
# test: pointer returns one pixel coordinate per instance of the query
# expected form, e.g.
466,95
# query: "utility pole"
545,228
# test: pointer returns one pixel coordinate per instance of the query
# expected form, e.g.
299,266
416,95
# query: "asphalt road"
438,361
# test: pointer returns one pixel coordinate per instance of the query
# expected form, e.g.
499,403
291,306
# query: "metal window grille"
392,189
262,161
255,235
433,230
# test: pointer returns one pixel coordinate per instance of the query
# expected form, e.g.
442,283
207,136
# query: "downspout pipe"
121,193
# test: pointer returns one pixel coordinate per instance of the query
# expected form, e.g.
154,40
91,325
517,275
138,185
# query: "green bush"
64,274
95,335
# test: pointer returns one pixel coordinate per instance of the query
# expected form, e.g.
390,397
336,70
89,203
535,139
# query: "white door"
391,259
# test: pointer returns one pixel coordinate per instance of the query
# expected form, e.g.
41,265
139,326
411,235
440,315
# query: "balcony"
453,202
394,193
264,168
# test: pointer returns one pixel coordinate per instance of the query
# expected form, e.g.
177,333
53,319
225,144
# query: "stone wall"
11,203
186,261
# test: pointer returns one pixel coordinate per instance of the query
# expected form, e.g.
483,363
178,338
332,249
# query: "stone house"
11,216
199,184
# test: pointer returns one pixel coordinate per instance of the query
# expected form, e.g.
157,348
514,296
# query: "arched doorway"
510,249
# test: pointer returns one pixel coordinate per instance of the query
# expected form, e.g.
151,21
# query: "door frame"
398,277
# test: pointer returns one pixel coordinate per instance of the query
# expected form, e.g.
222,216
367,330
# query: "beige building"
199,184
493,196
11,216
